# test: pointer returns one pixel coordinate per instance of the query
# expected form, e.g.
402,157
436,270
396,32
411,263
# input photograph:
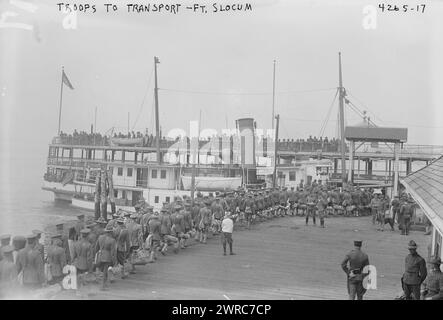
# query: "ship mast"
157,122
342,121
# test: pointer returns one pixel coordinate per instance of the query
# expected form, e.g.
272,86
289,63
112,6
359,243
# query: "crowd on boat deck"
148,140
104,249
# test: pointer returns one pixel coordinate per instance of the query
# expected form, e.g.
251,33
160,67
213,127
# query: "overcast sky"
394,72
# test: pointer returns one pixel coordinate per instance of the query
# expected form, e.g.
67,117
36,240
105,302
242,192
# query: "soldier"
5,240
187,216
29,261
80,224
107,256
65,242
310,209
433,286
375,205
39,246
217,215
406,213
135,237
249,210
292,201
165,230
154,227
123,245
205,221
56,259
178,227
395,204
144,221
357,260
8,271
321,208
83,253
415,273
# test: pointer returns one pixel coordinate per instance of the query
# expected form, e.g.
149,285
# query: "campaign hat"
358,243
412,245
85,231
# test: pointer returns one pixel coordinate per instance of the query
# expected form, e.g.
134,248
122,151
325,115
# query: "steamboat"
156,170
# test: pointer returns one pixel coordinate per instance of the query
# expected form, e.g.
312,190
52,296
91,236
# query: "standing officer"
357,260
433,286
415,273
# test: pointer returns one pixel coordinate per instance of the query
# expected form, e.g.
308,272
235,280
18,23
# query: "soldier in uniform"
29,261
187,216
205,221
249,210
80,224
83,253
415,273
357,260
5,240
123,245
145,220
135,237
107,254
165,230
406,212
178,227
56,259
8,272
39,246
375,205
217,215
154,227
310,209
65,242
321,208
433,285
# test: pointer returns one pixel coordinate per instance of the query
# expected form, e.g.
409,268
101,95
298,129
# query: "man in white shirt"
227,228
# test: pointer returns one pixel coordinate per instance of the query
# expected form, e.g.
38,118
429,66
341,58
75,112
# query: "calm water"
24,206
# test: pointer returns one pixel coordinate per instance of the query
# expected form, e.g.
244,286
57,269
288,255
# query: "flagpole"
61,101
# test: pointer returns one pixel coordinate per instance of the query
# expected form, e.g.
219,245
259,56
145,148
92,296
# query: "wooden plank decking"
278,259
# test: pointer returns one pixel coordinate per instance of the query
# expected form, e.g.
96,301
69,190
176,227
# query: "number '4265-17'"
404,8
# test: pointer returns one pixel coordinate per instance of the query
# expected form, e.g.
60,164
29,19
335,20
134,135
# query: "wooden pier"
278,259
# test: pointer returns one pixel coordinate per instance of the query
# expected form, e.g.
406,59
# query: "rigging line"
362,114
244,93
364,106
144,98
328,115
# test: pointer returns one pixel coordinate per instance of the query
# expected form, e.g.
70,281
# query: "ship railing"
380,175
